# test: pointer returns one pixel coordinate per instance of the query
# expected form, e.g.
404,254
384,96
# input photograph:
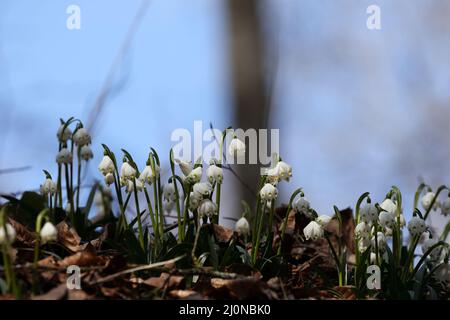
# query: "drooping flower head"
242,227
48,233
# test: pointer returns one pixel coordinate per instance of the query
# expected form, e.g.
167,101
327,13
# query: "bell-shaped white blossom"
381,241
416,226
186,167
81,137
323,220
242,227
368,213
10,233
427,199
364,244
284,170
313,231
383,257
387,219
214,174
86,153
268,192
106,165
127,172
207,208
202,189
148,176
302,205
236,148
109,179
445,206
48,233
194,200
273,175
64,136
389,206
48,187
169,192
194,176
64,156
362,230
130,185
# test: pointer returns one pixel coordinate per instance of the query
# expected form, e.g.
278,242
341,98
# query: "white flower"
48,187
416,226
381,241
194,201
81,137
273,175
302,206
284,170
63,137
48,232
236,148
363,244
389,206
109,179
445,206
207,208
147,175
64,156
169,192
442,273
202,189
106,165
186,167
427,199
362,230
10,231
130,186
313,231
436,253
388,232
373,257
387,219
242,227
268,192
323,220
127,172
194,176
214,174
369,213
86,153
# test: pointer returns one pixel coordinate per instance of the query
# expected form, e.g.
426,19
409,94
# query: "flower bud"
86,153
10,232
106,165
48,187
48,233
242,227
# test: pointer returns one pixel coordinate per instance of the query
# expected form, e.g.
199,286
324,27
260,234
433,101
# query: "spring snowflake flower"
81,137
416,226
389,206
381,241
10,232
362,230
109,179
369,213
194,201
214,174
383,257
86,153
48,187
148,176
207,208
242,227
194,176
268,192
186,167
387,219
64,136
273,175
202,189
323,220
313,231
302,205
106,165
64,156
127,172
236,148
364,244
169,192
284,171
130,185
445,207
48,233
427,199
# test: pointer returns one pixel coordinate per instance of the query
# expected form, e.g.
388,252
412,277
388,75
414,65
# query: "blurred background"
358,109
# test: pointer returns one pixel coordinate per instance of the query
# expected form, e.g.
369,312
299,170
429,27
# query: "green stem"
258,236
78,176
138,212
336,259
152,215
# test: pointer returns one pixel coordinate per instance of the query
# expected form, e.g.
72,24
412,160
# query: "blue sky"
358,110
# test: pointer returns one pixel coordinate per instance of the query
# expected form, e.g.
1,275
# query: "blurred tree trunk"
248,84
